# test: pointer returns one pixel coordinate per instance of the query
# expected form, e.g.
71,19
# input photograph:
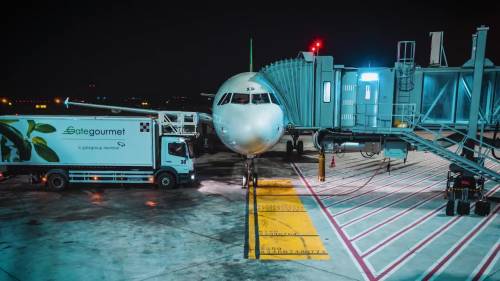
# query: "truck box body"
78,141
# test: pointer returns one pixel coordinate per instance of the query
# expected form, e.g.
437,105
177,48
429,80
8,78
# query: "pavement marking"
401,179
394,217
390,239
397,176
353,252
488,260
279,227
427,240
444,261
380,209
360,259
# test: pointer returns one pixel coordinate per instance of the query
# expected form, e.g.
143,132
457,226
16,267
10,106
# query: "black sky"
157,50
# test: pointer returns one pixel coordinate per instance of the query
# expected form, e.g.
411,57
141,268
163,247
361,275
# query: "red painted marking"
346,241
382,186
402,231
427,240
382,179
398,215
349,245
488,262
414,249
414,224
460,245
388,205
383,196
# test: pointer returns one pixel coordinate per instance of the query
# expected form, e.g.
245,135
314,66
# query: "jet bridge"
393,106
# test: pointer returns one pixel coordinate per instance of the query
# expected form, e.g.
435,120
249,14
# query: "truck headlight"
192,177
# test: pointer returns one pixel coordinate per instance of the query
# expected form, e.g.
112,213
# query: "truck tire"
57,182
165,181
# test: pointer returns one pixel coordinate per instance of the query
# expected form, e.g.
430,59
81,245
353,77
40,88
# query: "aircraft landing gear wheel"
300,147
450,208
255,180
244,182
483,208
463,208
289,148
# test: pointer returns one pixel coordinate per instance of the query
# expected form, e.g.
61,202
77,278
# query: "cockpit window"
226,99
274,99
222,98
260,98
240,98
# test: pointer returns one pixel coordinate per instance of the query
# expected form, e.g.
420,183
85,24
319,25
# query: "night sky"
157,51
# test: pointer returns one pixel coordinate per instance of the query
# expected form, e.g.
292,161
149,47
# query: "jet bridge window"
326,91
241,98
177,149
260,98
225,99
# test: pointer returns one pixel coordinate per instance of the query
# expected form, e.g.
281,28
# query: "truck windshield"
177,149
190,149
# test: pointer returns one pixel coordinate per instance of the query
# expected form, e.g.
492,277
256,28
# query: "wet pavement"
198,232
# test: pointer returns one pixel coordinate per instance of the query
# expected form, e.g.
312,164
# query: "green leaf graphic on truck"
24,145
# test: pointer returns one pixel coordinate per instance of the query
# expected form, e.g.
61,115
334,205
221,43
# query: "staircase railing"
482,151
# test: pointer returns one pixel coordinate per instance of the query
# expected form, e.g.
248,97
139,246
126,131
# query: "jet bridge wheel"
483,208
463,208
450,208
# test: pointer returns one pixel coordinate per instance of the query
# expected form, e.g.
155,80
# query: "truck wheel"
57,182
166,181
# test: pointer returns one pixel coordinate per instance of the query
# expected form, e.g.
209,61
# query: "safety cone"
332,163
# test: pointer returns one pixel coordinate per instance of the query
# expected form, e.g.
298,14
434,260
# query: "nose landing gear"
250,176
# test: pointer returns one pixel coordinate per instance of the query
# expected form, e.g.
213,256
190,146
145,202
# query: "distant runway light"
151,203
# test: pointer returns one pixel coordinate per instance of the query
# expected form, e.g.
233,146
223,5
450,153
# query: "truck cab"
176,162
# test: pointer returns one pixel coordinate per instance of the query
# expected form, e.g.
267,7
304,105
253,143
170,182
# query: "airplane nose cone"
254,131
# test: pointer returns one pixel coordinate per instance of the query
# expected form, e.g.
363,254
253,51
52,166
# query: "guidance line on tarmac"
288,234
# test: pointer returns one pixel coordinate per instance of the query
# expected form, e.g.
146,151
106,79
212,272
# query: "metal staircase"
434,146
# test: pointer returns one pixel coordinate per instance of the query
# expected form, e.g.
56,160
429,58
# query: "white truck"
60,150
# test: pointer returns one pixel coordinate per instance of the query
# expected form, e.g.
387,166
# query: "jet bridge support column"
479,55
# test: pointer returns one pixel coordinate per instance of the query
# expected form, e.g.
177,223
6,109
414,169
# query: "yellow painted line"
285,230
251,227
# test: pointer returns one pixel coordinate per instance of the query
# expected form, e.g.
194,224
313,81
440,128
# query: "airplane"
248,118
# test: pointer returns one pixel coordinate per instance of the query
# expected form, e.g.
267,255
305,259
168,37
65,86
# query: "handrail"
460,144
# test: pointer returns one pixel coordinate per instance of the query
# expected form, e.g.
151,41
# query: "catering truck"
60,150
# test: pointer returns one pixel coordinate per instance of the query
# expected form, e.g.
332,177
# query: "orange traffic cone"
332,164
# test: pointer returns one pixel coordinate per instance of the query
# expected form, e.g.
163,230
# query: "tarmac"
362,223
